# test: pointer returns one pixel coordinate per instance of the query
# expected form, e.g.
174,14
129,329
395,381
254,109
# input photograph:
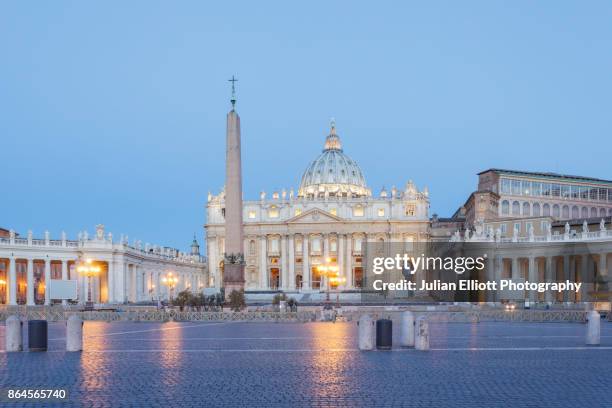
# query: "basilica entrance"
274,278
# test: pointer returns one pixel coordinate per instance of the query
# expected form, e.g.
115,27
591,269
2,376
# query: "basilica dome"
333,173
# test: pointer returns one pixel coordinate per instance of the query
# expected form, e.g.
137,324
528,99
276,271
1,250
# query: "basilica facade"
288,236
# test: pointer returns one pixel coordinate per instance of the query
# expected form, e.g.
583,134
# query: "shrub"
236,301
182,299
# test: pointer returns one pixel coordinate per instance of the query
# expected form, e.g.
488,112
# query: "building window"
503,228
528,226
506,186
546,190
536,209
252,215
517,227
516,208
505,207
565,211
316,245
565,191
298,211
357,244
358,211
556,211
602,212
333,211
526,209
575,212
593,212
333,245
252,248
381,212
543,225
556,190
273,212
516,187
410,210
584,212
274,245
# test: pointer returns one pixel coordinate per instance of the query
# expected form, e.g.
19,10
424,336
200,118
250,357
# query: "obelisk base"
233,278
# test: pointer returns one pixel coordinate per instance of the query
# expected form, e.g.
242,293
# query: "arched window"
575,212
565,212
584,212
516,208
556,210
505,207
526,208
546,210
602,212
536,209
593,212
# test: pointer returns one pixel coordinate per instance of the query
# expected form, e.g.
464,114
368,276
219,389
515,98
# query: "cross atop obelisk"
233,265
233,100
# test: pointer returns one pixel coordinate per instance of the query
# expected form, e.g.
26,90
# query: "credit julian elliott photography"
305,204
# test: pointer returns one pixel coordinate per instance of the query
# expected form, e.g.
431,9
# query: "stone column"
532,273
110,284
263,262
340,256
489,294
305,263
603,271
350,283
30,281
47,281
156,283
515,268
572,274
291,263
584,277
325,279
284,271
548,277
566,275
12,284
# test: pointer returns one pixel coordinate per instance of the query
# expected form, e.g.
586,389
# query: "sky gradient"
114,113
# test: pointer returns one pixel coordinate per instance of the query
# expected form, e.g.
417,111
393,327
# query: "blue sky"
114,112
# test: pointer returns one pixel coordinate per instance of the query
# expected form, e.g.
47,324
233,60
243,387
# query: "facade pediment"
315,215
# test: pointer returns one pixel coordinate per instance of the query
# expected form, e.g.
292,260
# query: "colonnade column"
603,271
515,268
489,295
349,262
324,283
110,281
584,278
291,263
284,271
263,262
47,281
548,277
12,296
532,273
305,263
30,283
566,275
340,257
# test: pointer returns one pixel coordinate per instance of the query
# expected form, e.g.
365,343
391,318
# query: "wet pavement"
235,364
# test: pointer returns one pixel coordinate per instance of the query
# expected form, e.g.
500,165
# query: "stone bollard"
14,336
593,334
74,333
421,340
407,329
366,333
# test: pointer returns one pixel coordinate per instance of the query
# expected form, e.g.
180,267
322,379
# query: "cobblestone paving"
316,364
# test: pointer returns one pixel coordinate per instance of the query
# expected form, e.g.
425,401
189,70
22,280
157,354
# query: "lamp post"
88,269
331,271
170,282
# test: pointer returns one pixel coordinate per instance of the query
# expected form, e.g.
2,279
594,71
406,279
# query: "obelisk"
233,272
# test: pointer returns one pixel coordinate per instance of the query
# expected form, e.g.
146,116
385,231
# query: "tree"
278,297
182,299
236,301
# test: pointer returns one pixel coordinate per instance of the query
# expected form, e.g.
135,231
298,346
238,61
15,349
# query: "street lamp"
331,271
170,281
88,269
